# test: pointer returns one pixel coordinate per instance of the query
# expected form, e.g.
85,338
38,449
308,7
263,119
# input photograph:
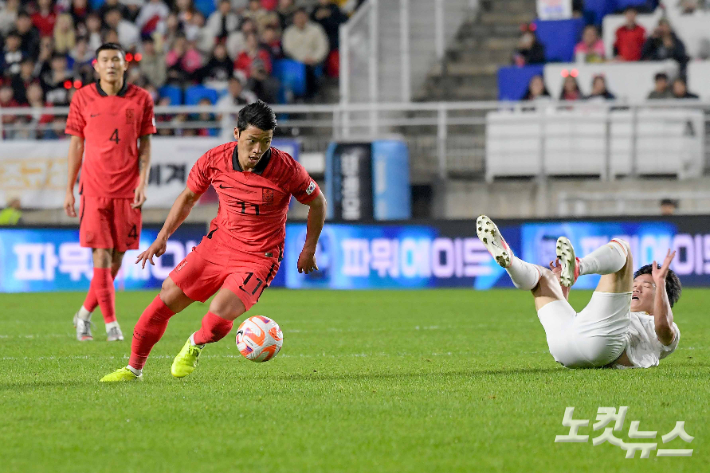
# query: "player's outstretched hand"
659,274
156,249
556,268
69,204
139,198
307,262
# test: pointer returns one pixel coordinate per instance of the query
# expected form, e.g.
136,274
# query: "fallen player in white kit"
628,322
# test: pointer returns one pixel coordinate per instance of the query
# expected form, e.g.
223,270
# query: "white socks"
134,371
111,325
192,342
84,314
524,275
607,259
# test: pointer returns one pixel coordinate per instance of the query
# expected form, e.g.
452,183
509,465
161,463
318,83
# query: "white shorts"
592,338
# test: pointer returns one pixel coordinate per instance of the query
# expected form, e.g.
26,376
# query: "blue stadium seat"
207,7
196,93
513,81
172,92
292,76
647,5
96,4
559,37
599,9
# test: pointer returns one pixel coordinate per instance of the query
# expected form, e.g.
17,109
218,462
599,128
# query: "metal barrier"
445,139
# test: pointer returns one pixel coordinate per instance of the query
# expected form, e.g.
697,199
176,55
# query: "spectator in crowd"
218,69
36,119
110,5
537,89
630,38
664,44
591,48
12,214
46,52
22,80
152,64
79,11
201,36
182,61
668,206
128,33
688,7
660,89
29,35
205,117
82,58
223,21
328,15
134,7
53,81
599,89
230,103
306,42
184,10
45,17
7,100
64,34
12,55
271,39
237,39
152,17
285,11
570,89
110,36
8,16
680,90
529,50
172,29
255,12
253,58
93,31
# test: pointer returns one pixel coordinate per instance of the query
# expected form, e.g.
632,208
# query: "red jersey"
111,126
252,205
629,42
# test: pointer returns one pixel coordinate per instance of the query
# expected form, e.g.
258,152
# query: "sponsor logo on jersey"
267,195
311,188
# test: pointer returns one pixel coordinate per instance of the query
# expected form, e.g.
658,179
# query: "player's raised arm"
178,213
144,169
316,220
76,152
662,312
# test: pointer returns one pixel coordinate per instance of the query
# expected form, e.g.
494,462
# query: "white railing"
388,46
448,139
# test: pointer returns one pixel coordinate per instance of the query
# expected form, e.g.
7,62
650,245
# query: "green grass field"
446,380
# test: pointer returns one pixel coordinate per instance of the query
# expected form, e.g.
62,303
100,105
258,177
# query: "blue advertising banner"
38,259
372,256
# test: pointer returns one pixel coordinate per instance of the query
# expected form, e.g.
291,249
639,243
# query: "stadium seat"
598,9
292,76
96,4
172,92
559,37
206,7
198,92
513,81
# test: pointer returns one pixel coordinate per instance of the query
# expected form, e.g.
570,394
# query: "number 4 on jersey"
114,136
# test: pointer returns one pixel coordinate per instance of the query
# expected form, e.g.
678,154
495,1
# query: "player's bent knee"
227,305
626,248
549,285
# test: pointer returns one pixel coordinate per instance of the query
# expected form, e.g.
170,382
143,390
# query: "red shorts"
105,222
211,266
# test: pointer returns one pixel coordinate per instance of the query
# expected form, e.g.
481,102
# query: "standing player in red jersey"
240,255
110,122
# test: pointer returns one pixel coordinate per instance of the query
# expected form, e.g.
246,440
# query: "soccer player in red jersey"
110,122
240,255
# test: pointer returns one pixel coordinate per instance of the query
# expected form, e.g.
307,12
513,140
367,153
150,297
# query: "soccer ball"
259,338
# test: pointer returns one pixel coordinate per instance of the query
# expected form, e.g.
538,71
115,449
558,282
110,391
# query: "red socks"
102,287
149,329
214,328
91,301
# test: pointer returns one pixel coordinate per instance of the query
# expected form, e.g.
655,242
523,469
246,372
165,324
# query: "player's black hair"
111,47
673,288
257,114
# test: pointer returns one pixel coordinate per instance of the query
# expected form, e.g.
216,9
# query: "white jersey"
643,348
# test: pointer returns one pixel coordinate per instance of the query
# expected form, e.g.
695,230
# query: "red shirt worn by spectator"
111,126
245,60
44,23
629,42
253,205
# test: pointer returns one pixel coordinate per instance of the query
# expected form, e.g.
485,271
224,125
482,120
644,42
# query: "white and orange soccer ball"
259,338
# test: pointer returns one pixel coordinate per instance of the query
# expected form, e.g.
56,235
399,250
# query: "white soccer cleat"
114,334
489,234
83,329
568,261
